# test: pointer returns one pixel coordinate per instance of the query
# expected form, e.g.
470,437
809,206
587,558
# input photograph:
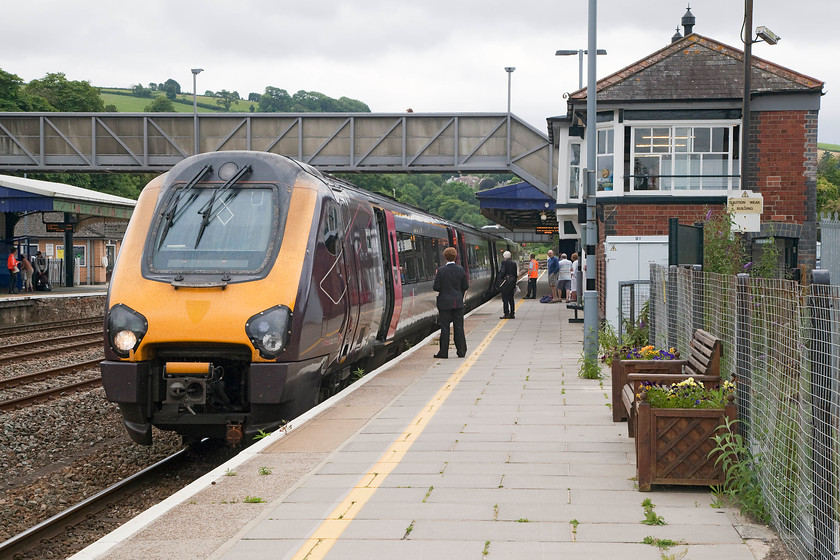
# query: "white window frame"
669,182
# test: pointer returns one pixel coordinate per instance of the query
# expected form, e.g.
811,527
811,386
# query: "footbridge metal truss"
333,142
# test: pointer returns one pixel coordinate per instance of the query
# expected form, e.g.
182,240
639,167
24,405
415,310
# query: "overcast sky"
430,56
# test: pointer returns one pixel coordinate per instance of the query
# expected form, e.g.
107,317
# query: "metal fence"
781,340
632,296
830,245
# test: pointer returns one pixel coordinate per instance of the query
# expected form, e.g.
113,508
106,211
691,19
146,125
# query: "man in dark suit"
451,285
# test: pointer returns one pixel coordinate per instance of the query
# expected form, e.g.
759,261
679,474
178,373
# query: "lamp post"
195,72
770,38
580,53
509,70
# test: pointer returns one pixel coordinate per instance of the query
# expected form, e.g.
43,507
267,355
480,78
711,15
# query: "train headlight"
269,331
126,328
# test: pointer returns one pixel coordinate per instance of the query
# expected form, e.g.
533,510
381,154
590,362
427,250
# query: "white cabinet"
628,257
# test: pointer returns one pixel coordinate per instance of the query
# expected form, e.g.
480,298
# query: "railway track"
48,394
28,354
60,523
47,374
50,326
35,344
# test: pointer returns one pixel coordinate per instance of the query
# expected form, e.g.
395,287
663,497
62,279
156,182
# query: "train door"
330,272
494,264
393,282
463,254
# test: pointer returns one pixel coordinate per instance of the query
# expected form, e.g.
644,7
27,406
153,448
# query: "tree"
225,98
275,100
140,91
161,104
828,184
255,97
66,95
170,83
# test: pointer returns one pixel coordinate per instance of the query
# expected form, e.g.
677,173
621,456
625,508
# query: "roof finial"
688,21
676,37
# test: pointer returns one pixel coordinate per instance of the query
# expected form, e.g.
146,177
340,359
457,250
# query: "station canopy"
19,194
519,207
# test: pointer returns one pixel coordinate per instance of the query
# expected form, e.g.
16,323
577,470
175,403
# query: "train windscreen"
213,230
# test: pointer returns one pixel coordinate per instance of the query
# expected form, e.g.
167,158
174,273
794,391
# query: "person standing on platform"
507,285
26,273
451,285
12,265
575,271
553,271
533,272
564,279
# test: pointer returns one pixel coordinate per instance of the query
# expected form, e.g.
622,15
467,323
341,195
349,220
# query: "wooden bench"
703,364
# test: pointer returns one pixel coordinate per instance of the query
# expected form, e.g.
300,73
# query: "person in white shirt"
564,278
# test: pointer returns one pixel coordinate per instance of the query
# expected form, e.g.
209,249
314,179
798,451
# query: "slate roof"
696,68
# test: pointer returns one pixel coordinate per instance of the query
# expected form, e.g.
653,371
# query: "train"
251,286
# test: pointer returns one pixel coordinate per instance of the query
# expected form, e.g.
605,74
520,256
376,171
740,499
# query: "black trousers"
12,281
507,301
456,317
532,288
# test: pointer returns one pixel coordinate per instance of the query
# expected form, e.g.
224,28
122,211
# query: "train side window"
330,229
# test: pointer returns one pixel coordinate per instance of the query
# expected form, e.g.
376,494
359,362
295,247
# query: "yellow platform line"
328,533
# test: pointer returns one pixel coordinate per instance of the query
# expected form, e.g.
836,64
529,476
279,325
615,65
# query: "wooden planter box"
673,445
618,377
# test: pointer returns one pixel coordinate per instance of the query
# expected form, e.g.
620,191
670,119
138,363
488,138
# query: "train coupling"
186,382
233,434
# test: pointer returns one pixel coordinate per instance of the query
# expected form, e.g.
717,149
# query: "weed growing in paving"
651,518
229,472
589,368
253,500
740,469
429,493
264,470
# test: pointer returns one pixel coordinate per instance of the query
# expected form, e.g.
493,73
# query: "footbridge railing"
333,142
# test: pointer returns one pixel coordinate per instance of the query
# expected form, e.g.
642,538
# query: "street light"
763,34
509,70
580,53
195,72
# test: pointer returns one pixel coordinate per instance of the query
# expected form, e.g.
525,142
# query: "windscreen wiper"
170,212
206,211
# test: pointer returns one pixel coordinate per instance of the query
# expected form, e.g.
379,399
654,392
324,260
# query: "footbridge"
332,142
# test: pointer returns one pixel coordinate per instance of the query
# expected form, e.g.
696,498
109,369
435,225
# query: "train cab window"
329,224
206,230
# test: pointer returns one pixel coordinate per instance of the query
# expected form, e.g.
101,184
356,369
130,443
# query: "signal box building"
669,145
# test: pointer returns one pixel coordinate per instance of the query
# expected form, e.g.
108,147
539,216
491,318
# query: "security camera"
767,36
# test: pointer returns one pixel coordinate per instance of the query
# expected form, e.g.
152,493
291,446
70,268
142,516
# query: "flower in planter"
686,394
650,353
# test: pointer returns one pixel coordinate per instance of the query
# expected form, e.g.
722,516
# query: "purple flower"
708,214
748,265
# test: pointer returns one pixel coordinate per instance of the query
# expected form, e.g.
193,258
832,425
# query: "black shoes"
461,355
507,317
441,356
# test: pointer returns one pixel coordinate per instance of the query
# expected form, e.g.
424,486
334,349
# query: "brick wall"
785,171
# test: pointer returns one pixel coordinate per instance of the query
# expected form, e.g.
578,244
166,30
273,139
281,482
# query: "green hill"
125,102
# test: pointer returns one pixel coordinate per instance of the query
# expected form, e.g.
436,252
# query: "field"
131,104
829,147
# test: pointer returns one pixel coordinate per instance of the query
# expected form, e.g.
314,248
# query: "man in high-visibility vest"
533,271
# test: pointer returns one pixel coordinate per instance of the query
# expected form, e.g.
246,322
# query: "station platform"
504,454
